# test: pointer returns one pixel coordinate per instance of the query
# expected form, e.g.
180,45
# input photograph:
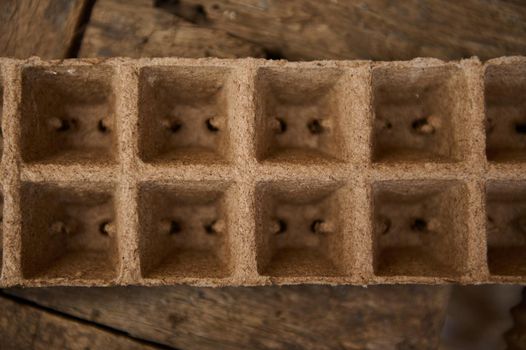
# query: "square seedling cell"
184,230
299,115
183,114
68,114
299,232
505,102
417,113
68,231
506,228
419,228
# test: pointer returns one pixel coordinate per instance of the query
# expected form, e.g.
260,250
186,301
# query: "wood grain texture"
297,317
137,29
479,316
516,336
42,28
371,29
25,327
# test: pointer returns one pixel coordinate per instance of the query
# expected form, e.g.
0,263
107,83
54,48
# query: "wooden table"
320,317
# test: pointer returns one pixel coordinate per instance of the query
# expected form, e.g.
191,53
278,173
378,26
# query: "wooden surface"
479,316
516,335
300,317
26,327
137,29
296,30
44,28
390,317
372,29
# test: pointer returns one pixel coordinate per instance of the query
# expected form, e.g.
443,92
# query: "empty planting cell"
299,231
299,115
183,114
419,228
418,113
68,114
68,231
184,230
506,228
505,104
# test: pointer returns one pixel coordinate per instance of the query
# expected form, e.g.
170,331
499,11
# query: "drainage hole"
210,229
280,126
62,125
175,227
316,226
211,125
281,226
101,126
59,227
520,128
175,126
315,127
419,225
423,127
106,228
384,226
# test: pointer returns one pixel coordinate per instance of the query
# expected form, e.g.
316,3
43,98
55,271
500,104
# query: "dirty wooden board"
26,327
302,317
479,316
372,29
45,28
516,336
137,29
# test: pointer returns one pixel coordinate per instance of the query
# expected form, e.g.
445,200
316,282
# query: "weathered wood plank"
25,327
372,29
296,317
516,336
137,29
479,316
43,28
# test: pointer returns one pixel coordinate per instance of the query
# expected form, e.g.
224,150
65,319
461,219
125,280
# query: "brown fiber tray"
252,172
